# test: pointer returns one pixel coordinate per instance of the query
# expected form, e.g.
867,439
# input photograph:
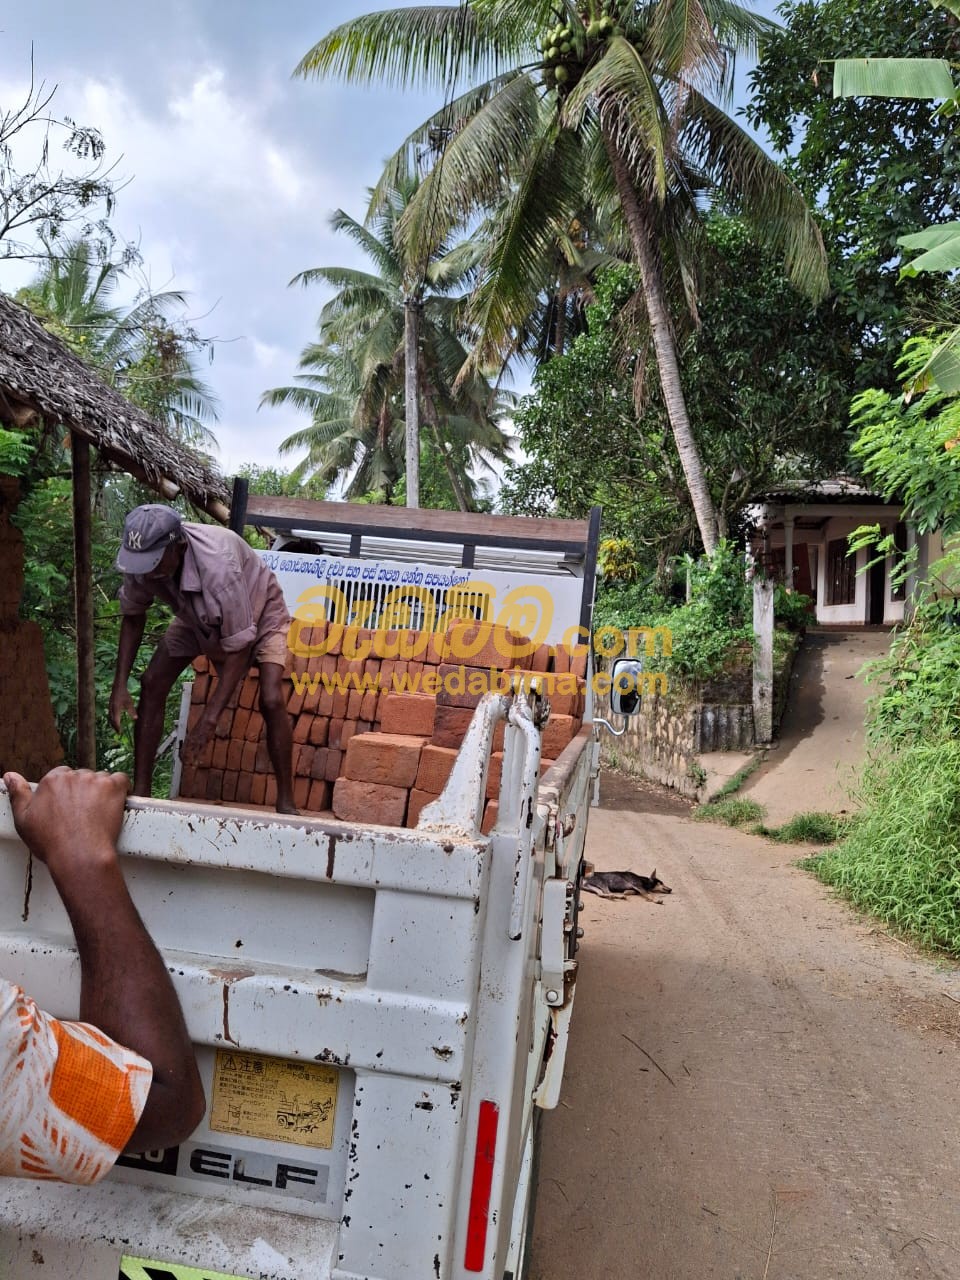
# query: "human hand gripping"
73,818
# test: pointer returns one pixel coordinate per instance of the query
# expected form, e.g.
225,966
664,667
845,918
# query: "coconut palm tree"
355,380
146,351
614,101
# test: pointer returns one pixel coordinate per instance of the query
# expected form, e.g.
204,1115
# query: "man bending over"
228,606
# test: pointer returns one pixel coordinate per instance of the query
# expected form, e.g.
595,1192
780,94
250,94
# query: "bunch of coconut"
561,51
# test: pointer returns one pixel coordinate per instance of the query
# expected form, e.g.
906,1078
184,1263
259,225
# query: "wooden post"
762,661
83,603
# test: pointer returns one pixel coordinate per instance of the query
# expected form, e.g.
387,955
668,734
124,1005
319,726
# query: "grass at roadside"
747,815
900,860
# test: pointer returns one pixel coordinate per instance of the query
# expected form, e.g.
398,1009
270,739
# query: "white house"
800,537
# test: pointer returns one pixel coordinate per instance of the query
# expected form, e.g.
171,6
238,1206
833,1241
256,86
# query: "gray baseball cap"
147,532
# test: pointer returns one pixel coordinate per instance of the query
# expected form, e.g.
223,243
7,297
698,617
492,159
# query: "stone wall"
29,743
666,738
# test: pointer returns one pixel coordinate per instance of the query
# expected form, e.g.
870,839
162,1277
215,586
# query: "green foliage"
901,859
908,449
734,811
875,168
761,382
16,451
792,609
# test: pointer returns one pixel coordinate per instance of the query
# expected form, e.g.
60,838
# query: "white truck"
380,1014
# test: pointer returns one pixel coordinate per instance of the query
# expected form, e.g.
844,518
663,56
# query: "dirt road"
759,1086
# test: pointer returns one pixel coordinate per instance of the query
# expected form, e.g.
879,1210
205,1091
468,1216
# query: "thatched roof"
39,375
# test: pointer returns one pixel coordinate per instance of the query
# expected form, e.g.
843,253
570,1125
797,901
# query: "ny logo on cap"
134,539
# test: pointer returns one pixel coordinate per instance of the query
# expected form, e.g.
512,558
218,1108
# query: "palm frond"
759,189
476,166
523,246
421,47
681,41
631,110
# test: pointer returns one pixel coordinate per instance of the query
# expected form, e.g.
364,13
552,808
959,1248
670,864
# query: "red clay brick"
542,658
301,730
201,685
368,707
578,661
334,732
230,781
254,727
295,700
462,686
258,788
490,813
435,766
263,763
493,775
389,759
450,725
235,755
407,713
201,664
484,644
194,714
341,699
248,763
559,730
244,788
248,693
318,765
318,798
354,703
369,802
214,789
347,732
240,722
220,752
318,731
418,800
565,695
334,764
188,781
270,797
303,760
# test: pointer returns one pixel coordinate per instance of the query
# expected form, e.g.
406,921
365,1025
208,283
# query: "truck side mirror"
626,681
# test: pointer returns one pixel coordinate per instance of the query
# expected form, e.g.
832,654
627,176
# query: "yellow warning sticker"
274,1098
147,1269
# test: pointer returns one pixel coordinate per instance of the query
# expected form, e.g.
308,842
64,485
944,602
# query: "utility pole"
412,308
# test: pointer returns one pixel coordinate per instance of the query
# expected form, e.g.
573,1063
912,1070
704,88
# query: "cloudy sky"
232,166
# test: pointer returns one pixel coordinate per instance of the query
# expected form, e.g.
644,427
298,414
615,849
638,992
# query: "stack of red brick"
378,718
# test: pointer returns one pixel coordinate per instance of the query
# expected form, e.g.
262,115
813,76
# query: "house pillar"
788,550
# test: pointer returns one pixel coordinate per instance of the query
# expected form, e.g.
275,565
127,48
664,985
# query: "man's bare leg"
158,680
273,708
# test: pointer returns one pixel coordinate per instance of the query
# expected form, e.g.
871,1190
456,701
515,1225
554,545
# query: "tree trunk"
411,360
560,341
641,236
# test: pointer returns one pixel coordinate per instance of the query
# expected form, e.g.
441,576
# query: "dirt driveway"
759,1085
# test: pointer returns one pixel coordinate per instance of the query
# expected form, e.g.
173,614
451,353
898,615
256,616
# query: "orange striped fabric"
70,1098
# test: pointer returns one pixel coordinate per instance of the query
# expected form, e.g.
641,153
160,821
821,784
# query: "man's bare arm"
229,675
131,633
71,822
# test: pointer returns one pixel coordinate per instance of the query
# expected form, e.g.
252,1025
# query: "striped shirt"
70,1097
